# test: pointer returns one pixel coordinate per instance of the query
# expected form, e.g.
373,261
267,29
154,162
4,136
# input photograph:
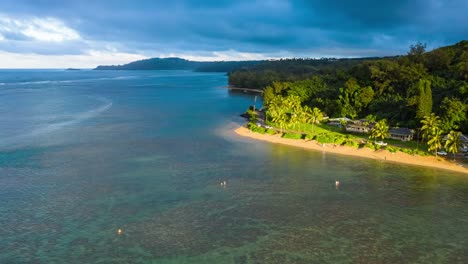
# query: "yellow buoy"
119,232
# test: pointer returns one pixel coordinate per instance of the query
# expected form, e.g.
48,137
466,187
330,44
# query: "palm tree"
453,142
314,116
292,106
431,123
380,130
274,108
283,121
295,118
435,141
278,115
302,117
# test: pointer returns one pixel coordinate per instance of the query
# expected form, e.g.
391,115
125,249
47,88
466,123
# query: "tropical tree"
380,130
431,124
354,98
278,115
308,88
292,106
268,95
346,98
371,118
435,141
314,116
282,121
302,116
453,142
253,116
273,107
454,113
416,53
420,96
295,117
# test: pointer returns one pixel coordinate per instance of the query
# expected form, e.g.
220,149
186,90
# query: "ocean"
86,153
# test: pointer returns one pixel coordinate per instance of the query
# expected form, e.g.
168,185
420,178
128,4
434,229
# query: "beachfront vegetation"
432,132
293,135
424,91
435,141
452,144
401,89
430,126
380,130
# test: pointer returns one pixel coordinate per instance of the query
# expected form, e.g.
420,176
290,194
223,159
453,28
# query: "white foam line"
71,81
78,118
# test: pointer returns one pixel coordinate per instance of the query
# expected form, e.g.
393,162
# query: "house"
359,126
463,142
338,121
401,133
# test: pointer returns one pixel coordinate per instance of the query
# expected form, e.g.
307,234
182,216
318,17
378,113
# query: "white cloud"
233,55
40,29
93,58
47,42
89,60
228,55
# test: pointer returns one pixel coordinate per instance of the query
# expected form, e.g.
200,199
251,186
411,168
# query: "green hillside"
401,89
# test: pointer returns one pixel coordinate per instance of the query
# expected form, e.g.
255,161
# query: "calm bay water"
85,153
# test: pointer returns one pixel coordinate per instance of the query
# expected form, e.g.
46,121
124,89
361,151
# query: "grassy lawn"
322,129
331,134
407,144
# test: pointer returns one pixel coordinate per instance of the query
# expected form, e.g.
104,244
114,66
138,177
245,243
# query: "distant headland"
181,64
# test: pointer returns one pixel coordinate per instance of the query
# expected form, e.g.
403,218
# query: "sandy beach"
400,157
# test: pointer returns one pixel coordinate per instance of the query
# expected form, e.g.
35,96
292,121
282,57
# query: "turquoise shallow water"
83,154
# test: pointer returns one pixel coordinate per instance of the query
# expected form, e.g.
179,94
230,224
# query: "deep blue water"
85,153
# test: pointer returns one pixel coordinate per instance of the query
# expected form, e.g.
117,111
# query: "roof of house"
339,119
400,131
360,123
464,138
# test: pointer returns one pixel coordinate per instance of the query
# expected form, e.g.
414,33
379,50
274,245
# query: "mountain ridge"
175,63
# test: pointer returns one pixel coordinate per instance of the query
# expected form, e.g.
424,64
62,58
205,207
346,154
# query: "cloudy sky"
86,33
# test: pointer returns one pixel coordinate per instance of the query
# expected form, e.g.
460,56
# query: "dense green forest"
181,64
402,89
263,74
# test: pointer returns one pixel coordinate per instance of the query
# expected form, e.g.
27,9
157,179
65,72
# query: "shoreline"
399,157
230,87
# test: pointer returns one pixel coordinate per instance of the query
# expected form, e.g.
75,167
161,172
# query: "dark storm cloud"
301,28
